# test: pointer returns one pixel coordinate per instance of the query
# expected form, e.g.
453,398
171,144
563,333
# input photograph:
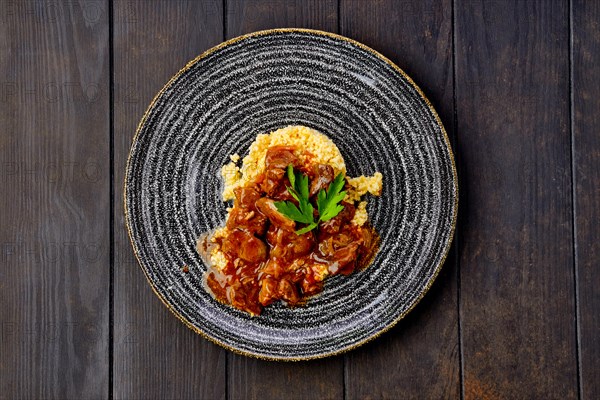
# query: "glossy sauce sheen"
266,260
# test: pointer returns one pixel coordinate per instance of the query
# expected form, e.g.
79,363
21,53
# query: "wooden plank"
586,161
419,358
250,378
155,355
55,212
245,16
516,265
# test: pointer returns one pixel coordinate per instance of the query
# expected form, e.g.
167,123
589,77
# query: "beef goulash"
296,219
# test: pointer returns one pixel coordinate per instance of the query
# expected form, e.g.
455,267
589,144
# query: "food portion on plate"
296,219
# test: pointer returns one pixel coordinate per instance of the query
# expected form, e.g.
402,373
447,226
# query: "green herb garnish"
327,201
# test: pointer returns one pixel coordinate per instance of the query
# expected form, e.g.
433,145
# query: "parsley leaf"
290,210
299,190
327,201
307,228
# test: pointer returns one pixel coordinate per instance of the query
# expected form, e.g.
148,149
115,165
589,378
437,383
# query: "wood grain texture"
54,217
250,378
516,256
419,358
586,159
245,16
517,172
155,355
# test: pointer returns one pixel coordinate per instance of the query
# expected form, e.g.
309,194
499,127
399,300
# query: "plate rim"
380,56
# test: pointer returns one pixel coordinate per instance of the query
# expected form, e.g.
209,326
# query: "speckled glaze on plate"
256,83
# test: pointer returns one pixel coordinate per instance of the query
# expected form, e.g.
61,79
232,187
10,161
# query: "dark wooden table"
514,314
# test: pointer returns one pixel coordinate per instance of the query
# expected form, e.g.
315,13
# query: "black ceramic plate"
379,119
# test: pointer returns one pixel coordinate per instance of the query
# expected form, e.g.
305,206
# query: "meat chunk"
250,220
369,245
246,196
367,238
345,258
244,213
326,247
323,176
310,285
253,249
273,181
272,267
280,157
268,291
276,162
243,298
243,244
288,245
288,292
217,283
267,207
335,224
300,245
